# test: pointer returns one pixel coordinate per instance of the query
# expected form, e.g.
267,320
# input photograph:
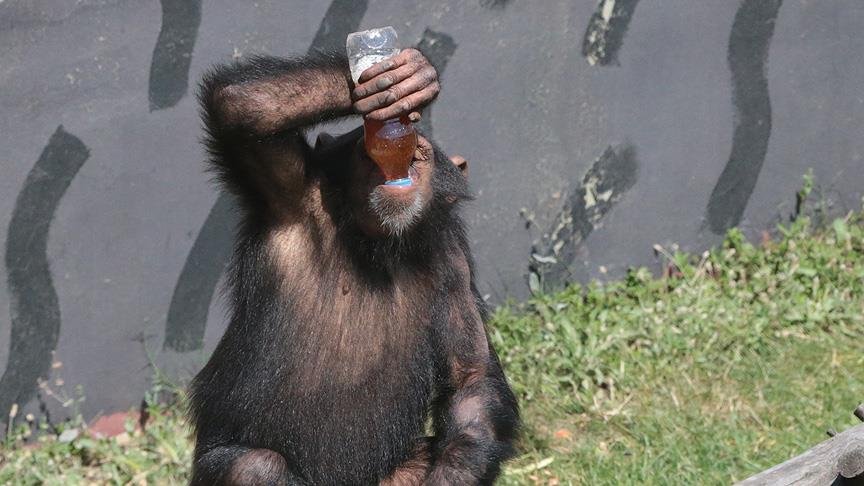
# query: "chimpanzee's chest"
365,426
343,332
357,384
356,364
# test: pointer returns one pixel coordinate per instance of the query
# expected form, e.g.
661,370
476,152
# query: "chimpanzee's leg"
241,466
413,471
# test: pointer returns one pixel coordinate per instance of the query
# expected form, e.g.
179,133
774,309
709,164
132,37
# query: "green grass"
159,454
737,360
740,360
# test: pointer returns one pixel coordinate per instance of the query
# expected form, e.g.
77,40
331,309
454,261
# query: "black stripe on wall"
35,311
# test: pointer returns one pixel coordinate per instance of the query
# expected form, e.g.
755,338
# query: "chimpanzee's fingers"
422,79
414,116
406,104
424,150
385,80
405,57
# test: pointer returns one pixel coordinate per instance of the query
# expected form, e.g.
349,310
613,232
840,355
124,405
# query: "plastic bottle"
390,143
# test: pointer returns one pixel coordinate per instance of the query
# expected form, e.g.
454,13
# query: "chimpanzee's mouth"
399,186
405,182
397,207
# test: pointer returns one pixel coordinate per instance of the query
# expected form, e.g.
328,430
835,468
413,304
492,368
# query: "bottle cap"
405,181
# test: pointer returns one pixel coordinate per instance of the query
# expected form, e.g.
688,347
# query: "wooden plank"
820,465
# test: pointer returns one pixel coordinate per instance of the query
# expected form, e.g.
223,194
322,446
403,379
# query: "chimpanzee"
355,321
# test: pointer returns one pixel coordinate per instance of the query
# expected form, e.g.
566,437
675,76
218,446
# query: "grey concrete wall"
593,132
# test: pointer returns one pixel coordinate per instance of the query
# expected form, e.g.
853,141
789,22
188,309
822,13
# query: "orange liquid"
391,144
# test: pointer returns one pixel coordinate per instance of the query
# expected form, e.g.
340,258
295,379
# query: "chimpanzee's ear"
460,164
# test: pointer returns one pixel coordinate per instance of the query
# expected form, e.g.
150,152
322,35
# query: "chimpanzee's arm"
476,416
255,111
266,96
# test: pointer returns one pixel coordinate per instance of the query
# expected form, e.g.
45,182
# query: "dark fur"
291,397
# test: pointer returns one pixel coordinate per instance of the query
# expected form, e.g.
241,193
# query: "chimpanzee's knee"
235,465
258,467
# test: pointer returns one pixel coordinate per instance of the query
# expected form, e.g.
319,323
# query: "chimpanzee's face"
389,210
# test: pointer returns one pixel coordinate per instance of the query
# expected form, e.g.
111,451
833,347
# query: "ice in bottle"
390,143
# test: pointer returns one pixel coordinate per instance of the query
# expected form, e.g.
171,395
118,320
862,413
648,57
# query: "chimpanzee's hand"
396,86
